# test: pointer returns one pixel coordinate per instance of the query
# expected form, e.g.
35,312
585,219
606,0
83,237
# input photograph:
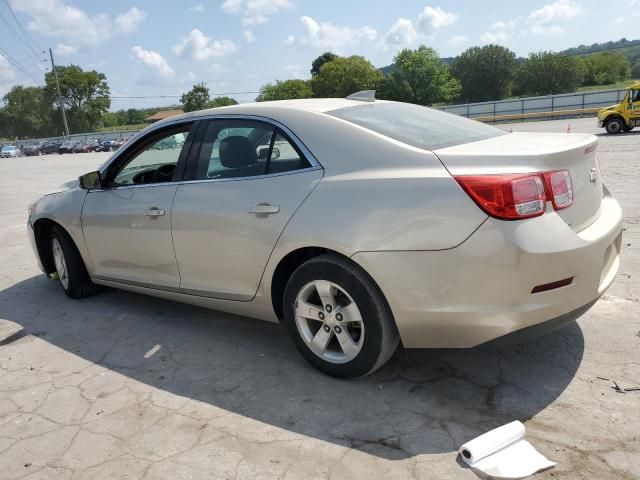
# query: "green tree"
545,73
26,113
635,70
283,90
345,75
485,73
418,76
85,96
196,99
222,102
606,68
317,64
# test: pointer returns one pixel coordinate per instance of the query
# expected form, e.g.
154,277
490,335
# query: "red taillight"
518,196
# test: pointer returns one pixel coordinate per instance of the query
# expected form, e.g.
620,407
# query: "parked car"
9,151
82,147
376,222
33,149
66,147
102,146
50,147
116,144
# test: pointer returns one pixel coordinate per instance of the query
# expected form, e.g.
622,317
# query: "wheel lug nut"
328,308
337,329
326,328
321,315
339,317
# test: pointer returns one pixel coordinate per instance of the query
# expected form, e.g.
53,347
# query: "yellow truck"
623,116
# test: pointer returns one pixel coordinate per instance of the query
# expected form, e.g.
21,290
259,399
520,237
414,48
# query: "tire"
370,339
628,129
615,125
71,272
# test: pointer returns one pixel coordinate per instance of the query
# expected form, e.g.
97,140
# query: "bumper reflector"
545,287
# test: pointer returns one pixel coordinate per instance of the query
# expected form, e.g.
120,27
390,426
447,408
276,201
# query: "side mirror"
275,153
90,181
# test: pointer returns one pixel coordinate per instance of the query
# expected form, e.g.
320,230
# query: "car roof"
313,105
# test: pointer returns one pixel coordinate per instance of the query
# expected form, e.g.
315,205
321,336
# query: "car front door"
240,190
127,224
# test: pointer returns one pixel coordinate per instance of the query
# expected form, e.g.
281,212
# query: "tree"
317,64
26,112
283,90
605,68
485,73
345,75
635,70
222,102
418,76
545,73
85,96
196,99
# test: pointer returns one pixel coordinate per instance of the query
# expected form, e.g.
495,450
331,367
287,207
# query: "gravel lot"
127,386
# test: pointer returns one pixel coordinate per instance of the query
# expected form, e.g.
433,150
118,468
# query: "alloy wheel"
60,263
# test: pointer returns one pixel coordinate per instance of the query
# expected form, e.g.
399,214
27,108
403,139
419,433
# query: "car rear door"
241,188
127,224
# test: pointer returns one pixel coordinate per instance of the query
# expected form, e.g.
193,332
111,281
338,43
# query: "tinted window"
238,148
415,125
156,163
636,95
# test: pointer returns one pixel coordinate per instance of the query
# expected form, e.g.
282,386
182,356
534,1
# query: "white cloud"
500,32
248,35
548,19
255,12
65,50
199,8
290,40
293,71
58,19
458,41
154,61
200,47
217,68
434,18
401,33
129,21
333,37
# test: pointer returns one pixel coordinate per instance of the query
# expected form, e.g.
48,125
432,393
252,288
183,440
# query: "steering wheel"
164,173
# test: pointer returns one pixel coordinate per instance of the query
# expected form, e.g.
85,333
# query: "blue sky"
152,48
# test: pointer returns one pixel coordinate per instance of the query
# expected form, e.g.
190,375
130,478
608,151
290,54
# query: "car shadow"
423,401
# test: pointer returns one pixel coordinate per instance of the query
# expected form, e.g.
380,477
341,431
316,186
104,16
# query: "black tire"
381,335
79,285
615,125
628,129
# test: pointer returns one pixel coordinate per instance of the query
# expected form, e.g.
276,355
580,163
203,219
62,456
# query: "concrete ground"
125,386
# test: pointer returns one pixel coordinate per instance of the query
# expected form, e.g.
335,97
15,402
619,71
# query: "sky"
158,49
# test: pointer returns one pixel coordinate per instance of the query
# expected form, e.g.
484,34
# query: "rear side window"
239,149
418,126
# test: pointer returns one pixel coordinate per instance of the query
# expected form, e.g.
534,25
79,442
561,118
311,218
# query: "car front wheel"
338,318
71,272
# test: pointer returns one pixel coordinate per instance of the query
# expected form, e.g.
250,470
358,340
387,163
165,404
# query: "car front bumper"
482,289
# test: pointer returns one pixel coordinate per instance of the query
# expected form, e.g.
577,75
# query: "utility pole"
64,116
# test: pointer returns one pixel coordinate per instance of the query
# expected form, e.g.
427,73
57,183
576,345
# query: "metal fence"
549,103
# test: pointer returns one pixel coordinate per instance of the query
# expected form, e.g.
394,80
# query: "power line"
25,33
20,67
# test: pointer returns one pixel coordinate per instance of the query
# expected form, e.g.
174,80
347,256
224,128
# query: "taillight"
518,196
560,189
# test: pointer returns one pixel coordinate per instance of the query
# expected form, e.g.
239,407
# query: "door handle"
265,209
154,212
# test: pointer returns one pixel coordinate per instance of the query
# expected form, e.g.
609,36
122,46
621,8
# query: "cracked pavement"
126,386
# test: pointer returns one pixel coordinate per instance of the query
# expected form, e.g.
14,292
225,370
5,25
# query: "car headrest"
237,152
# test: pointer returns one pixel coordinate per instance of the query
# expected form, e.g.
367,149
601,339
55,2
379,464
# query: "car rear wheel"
615,125
338,318
70,271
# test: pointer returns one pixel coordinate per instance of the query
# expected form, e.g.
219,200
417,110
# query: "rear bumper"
481,290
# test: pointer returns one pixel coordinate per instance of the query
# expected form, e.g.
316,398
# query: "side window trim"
143,142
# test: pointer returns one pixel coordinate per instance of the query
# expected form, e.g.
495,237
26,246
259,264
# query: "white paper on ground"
504,453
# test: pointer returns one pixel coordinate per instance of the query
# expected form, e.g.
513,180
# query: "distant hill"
629,48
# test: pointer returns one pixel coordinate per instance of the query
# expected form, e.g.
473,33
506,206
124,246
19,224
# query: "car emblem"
592,175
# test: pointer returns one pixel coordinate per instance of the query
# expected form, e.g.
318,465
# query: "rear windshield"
415,125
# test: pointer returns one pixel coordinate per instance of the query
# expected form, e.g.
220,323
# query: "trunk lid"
526,152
